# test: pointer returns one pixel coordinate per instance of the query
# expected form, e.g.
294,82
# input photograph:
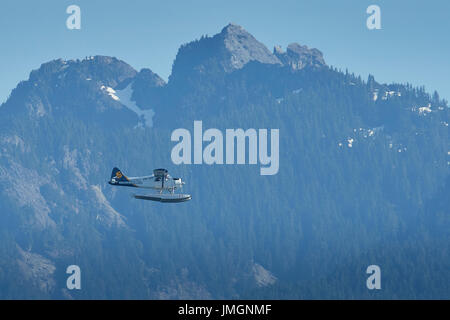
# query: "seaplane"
160,181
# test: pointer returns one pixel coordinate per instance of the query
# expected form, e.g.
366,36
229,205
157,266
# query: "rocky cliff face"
299,57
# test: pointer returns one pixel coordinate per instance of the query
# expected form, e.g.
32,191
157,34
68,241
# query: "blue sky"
413,45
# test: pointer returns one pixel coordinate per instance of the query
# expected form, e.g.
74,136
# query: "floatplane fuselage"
160,181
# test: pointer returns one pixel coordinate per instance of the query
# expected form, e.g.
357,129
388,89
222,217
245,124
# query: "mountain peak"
109,70
243,47
77,81
232,27
226,51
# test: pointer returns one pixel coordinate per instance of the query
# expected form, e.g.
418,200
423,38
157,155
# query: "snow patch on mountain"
385,95
124,96
350,142
110,91
361,134
424,110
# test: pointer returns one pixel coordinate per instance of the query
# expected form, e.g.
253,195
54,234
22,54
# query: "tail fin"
117,175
